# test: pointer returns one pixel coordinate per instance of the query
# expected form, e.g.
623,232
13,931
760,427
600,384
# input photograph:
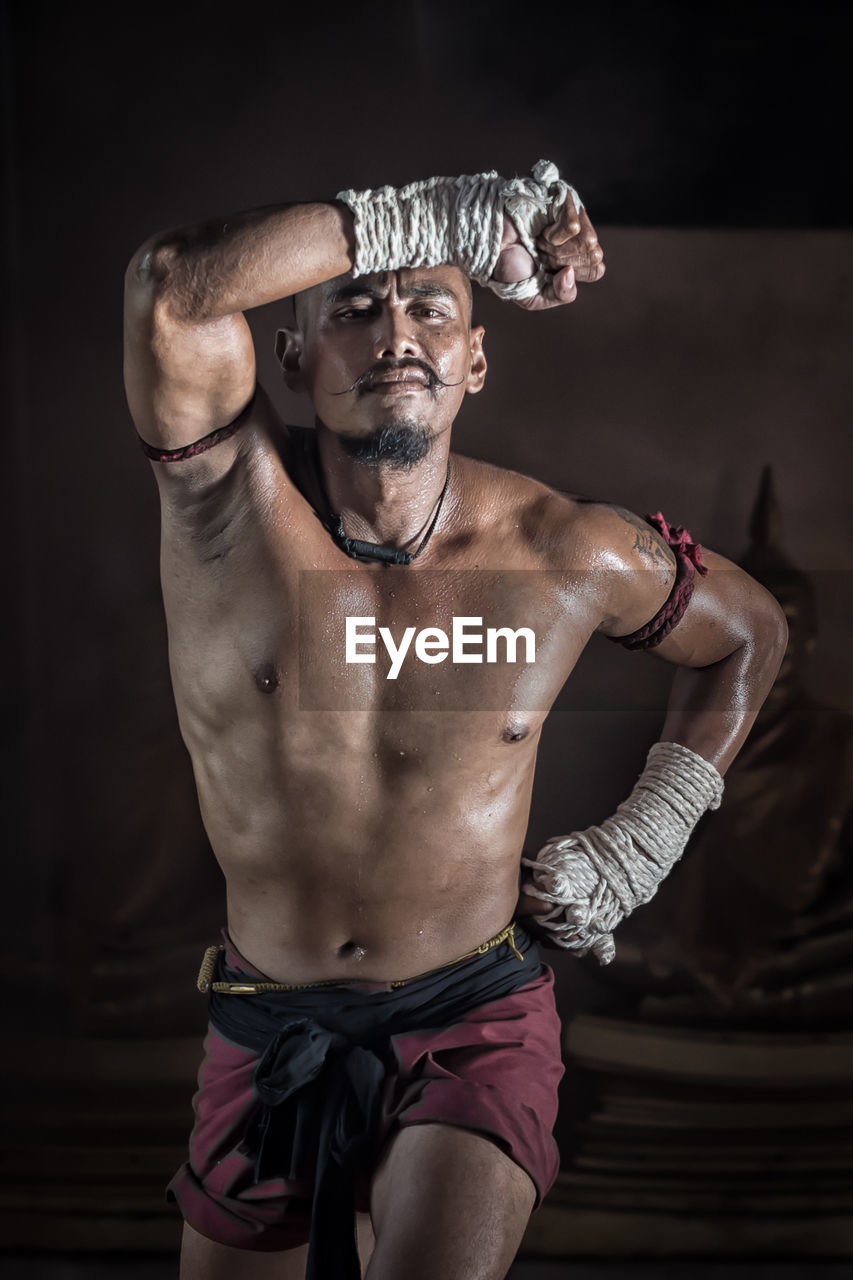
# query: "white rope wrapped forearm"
458,221
596,877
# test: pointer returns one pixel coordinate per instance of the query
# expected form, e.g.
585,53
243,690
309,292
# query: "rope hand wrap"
596,877
458,221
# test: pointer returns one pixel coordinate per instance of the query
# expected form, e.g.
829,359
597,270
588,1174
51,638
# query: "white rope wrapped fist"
458,221
596,877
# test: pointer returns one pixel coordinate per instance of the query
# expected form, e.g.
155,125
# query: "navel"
266,677
352,951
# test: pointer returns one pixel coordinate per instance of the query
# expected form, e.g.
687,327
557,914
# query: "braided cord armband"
688,560
193,450
595,878
457,221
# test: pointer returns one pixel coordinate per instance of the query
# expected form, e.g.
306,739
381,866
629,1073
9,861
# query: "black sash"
324,1055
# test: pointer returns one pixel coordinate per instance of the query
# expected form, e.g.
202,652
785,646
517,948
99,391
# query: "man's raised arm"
189,359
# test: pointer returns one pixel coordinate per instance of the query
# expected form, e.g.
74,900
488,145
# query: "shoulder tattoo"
647,541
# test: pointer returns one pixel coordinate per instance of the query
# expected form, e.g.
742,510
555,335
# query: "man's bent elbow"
153,267
768,632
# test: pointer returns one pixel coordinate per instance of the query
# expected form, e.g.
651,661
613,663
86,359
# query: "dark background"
709,142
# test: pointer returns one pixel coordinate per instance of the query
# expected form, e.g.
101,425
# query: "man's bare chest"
463,639
280,609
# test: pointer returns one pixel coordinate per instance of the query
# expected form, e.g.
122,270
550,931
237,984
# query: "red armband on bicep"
688,557
198,446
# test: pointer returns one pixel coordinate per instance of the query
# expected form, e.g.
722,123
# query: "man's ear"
288,351
477,374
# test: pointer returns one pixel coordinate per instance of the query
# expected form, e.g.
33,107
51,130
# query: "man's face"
386,358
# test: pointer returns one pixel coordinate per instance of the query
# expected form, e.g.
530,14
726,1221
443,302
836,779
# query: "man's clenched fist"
568,248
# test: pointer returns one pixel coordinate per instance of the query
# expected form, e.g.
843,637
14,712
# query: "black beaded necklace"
360,550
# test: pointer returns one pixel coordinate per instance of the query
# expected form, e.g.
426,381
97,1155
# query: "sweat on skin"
337,865
433,645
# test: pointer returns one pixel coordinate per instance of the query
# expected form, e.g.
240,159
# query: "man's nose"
395,335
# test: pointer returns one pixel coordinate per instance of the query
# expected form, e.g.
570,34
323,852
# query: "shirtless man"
370,821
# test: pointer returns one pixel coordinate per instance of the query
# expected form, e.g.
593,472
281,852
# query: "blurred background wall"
707,142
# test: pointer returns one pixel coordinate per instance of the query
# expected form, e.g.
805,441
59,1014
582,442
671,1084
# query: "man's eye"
356,313
431,313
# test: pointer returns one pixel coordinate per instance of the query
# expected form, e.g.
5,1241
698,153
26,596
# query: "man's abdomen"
352,848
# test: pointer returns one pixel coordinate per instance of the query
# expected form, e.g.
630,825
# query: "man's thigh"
203,1259
447,1202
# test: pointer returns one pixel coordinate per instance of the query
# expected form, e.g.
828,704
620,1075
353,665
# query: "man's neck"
380,503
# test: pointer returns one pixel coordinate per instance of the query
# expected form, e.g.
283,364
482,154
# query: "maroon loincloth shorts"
495,1071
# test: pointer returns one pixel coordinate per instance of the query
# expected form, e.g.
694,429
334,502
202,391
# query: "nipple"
515,733
266,677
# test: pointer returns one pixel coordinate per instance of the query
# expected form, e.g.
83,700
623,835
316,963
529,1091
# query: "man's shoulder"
502,486
564,528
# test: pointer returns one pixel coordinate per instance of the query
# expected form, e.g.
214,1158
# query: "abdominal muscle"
376,863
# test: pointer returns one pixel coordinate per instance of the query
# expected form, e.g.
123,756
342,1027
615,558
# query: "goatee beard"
400,445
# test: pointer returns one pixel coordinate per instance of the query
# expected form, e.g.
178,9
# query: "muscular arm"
728,645
189,358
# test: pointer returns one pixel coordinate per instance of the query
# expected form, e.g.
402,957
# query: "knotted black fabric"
324,1053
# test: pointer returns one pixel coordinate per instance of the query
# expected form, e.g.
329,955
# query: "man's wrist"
346,226
426,224
468,221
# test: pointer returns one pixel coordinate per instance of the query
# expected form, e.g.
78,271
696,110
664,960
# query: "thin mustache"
365,381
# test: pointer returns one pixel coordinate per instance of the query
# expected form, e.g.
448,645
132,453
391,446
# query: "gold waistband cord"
505,935
208,964
206,984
